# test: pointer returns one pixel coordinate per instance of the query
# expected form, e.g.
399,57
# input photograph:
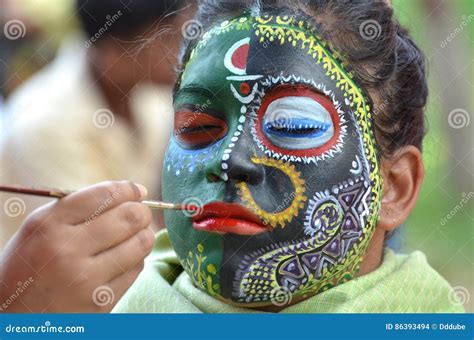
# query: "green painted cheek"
184,181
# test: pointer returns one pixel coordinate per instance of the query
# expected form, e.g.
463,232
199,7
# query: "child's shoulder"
414,285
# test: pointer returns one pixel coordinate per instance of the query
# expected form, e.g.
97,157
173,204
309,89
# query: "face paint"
274,132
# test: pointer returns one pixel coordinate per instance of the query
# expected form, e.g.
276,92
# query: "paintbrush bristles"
162,205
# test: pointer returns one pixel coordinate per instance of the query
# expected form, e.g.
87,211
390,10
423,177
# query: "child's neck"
374,255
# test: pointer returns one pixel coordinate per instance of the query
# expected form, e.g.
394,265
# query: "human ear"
402,175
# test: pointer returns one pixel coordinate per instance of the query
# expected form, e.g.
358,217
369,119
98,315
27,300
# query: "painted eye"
298,121
196,130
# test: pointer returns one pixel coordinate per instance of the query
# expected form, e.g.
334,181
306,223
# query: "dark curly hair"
97,16
383,58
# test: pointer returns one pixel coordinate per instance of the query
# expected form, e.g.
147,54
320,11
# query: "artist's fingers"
126,255
88,203
115,226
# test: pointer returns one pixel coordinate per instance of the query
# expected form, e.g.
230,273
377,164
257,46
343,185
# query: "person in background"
101,111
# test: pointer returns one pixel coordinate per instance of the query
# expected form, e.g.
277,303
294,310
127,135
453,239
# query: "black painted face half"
275,139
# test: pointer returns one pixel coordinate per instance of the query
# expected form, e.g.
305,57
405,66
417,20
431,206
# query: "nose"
240,167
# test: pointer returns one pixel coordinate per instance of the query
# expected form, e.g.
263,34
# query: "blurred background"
442,225
86,88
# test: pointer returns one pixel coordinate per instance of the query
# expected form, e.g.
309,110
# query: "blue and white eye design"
297,122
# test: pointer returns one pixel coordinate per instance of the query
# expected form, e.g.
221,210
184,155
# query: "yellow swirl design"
281,217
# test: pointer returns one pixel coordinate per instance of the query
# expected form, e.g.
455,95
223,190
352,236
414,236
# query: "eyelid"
290,89
199,109
296,108
196,118
193,130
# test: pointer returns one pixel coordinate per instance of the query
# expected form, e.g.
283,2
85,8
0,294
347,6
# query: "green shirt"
401,284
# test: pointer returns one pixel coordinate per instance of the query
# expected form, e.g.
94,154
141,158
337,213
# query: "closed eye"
196,130
297,128
200,129
298,122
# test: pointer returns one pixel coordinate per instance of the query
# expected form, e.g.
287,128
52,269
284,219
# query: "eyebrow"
202,109
300,83
195,88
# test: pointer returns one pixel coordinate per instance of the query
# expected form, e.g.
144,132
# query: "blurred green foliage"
448,243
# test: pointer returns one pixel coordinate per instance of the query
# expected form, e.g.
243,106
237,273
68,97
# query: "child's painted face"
272,130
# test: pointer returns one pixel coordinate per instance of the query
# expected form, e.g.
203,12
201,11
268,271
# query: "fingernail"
143,190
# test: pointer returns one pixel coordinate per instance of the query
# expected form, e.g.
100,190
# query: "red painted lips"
221,218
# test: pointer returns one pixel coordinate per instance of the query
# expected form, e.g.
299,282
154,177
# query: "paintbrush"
57,193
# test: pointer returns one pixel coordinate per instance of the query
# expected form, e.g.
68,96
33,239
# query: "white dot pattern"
227,152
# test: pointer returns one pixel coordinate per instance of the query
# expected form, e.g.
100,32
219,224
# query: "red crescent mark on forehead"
235,60
239,57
